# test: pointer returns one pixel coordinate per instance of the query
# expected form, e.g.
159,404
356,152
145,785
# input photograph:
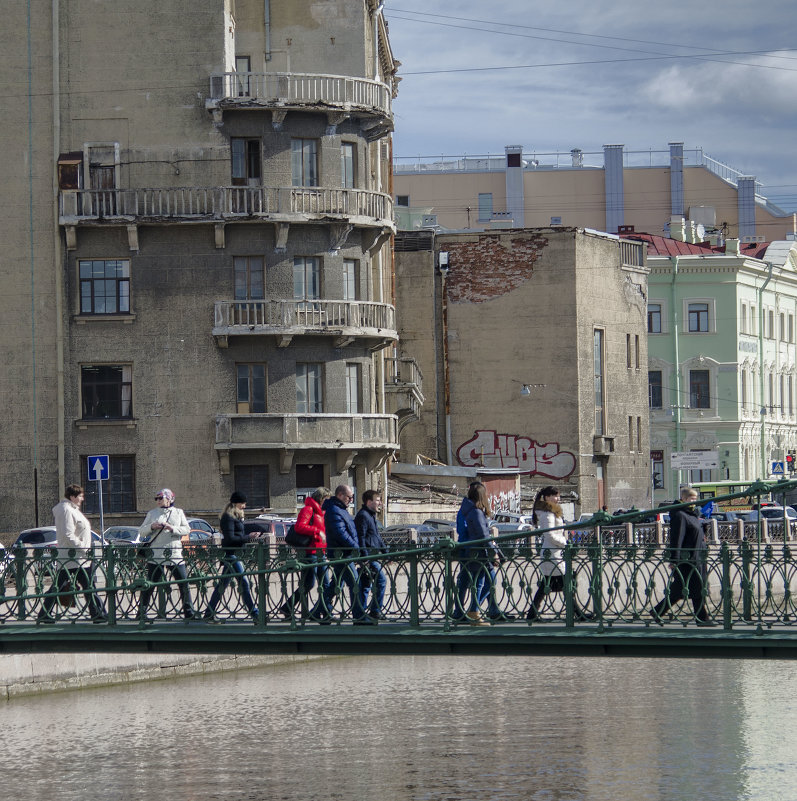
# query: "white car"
773,513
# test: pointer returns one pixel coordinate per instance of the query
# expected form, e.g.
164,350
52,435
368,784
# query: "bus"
707,490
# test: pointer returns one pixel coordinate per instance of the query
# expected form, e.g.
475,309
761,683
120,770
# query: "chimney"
678,228
577,157
732,247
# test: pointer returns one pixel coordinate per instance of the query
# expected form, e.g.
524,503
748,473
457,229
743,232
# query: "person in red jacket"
310,522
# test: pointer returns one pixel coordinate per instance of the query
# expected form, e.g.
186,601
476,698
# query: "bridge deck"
506,639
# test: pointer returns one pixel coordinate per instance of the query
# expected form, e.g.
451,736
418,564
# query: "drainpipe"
763,408
377,12
267,26
677,359
446,375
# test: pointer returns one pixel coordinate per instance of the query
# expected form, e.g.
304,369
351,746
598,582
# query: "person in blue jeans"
372,574
478,564
233,538
341,544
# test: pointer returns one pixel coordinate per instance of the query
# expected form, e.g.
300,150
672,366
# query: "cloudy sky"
558,74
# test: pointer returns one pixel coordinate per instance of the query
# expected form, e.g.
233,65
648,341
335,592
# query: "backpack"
296,540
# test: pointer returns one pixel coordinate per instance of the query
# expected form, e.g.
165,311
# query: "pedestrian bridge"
613,569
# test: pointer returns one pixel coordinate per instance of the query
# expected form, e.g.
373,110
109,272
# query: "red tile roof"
664,246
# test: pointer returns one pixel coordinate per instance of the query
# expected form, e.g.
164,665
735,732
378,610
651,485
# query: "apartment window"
350,279
771,323
790,332
403,200
655,389
636,351
250,277
639,434
631,434
309,399
743,319
353,384
698,317
771,391
106,391
753,321
699,389
485,206
246,162
306,278
790,385
252,481
304,162
348,164
743,391
242,69
104,286
251,389
118,492
654,318
782,323
598,358
782,395
628,351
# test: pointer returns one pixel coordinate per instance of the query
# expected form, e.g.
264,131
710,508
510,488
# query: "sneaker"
475,619
43,617
364,621
500,617
532,614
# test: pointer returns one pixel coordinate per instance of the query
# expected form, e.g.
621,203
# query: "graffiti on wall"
513,452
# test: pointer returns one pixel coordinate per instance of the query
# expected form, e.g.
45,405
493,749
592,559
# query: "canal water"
420,729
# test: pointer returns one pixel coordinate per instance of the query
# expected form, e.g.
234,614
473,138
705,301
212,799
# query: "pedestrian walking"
233,539
342,543
547,514
373,579
73,533
687,554
161,532
310,523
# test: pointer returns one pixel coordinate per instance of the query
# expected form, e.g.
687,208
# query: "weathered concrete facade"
197,261
513,330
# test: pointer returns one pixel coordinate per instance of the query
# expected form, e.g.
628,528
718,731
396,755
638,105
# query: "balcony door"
307,288
246,174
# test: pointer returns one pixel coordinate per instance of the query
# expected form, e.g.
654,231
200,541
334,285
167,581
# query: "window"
348,164
771,392
118,492
636,351
242,68
698,317
250,278
252,481
743,319
790,335
782,321
654,389
251,391
306,278
743,391
350,279
771,323
403,200
753,321
304,162
639,434
104,286
245,162
790,385
485,206
309,398
628,351
352,389
107,392
599,381
654,318
699,389
631,433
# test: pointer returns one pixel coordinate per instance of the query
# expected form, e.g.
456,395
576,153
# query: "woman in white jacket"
161,532
547,514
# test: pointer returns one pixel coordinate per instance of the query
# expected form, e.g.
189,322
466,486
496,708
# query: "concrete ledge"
38,673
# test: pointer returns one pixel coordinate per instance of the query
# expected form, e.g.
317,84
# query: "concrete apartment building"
538,361
722,363
196,262
604,191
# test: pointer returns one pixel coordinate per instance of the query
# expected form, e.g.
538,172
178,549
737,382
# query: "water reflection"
426,728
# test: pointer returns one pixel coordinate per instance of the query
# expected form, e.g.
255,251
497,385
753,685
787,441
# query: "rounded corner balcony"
346,321
338,96
367,437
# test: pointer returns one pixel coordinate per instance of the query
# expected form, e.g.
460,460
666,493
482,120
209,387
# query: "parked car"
44,537
773,513
727,517
198,524
122,535
512,518
257,527
196,541
445,528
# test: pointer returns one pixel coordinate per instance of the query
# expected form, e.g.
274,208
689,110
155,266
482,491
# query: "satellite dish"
700,231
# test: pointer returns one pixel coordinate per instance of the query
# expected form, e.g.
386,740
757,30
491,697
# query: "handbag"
144,549
297,540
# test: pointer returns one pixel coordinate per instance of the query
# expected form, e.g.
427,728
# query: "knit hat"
237,497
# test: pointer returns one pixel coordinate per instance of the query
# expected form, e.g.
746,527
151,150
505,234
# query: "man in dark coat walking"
372,574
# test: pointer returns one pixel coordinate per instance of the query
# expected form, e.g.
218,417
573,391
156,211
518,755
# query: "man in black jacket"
687,550
371,542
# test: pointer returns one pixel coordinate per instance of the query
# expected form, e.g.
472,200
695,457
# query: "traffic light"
791,466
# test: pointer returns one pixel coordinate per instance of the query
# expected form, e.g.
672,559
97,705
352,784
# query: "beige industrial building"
612,190
538,358
196,262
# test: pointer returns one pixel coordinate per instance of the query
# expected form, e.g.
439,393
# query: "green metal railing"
614,570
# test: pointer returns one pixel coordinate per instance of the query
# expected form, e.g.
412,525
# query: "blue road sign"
777,468
98,468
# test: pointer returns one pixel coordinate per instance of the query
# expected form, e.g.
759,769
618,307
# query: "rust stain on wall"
491,266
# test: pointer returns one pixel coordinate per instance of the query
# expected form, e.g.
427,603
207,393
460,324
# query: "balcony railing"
287,89
346,318
286,204
404,389
307,431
